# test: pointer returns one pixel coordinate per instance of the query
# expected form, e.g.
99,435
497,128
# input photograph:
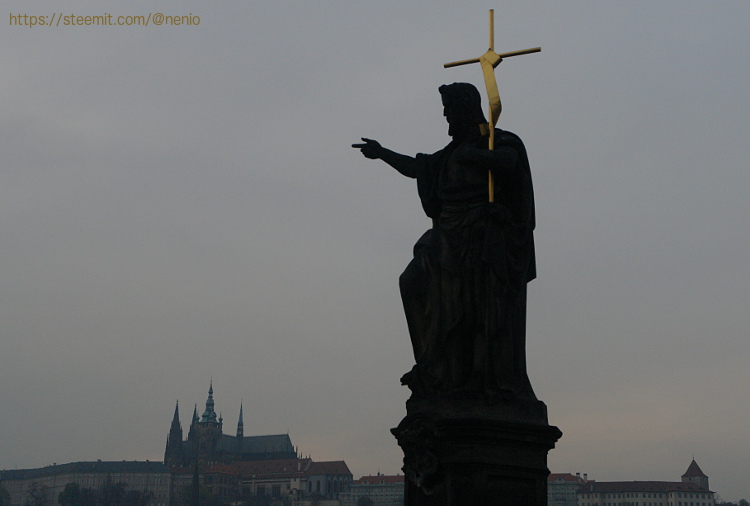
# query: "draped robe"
464,293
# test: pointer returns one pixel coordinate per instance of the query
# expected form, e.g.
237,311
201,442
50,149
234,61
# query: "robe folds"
464,292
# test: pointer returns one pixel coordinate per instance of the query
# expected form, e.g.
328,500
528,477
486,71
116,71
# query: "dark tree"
88,497
136,498
209,499
111,494
259,500
36,495
4,497
71,495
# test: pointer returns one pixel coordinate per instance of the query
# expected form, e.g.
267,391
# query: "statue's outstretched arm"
372,149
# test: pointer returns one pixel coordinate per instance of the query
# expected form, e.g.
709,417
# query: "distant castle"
206,443
255,469
567,490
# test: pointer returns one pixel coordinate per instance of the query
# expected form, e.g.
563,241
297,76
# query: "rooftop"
281,468
98,467
693,471
608,487
380,479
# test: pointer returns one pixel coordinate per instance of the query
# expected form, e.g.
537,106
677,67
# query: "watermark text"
61,19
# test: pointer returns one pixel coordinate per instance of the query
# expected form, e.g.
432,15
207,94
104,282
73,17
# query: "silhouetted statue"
464,293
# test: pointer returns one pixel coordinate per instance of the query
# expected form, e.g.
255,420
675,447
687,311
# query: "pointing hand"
370,148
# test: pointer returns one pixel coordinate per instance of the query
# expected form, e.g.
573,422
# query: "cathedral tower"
206,443
208,429
174,454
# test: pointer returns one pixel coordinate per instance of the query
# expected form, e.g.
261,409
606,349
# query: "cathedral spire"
193,424
176,418
240,425
209,415
173,452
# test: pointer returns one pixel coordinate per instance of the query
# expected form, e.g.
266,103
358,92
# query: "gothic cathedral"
206,443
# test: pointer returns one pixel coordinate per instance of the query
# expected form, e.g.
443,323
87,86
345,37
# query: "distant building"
563,488
49,481
238,467
206,443
295,480
691,491
233,467
381,489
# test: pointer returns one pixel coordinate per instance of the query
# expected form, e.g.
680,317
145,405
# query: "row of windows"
275,490
650,503
648,495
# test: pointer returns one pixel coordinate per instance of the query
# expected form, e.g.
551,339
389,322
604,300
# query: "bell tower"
208,429
695,475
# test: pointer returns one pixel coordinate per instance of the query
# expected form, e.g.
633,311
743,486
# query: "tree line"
110,494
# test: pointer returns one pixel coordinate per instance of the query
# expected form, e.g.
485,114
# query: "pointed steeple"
209,415
193,424
176,419
694,470
695,475
173,453
240,426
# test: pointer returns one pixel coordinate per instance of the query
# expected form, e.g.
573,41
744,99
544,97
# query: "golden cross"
489,61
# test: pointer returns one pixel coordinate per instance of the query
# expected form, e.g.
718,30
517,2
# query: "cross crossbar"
489,61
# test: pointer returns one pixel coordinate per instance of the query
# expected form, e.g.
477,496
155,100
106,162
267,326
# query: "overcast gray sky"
180,203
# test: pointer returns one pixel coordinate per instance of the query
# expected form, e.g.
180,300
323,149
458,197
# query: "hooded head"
462,108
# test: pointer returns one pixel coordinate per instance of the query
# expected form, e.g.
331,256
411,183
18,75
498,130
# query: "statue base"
460,450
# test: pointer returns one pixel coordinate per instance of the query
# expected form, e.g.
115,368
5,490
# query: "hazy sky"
180,203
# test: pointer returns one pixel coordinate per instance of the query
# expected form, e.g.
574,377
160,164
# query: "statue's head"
462,106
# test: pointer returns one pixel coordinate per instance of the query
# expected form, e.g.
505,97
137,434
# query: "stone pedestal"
460,450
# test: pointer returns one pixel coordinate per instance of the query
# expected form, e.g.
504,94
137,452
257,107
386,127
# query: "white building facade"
382,490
